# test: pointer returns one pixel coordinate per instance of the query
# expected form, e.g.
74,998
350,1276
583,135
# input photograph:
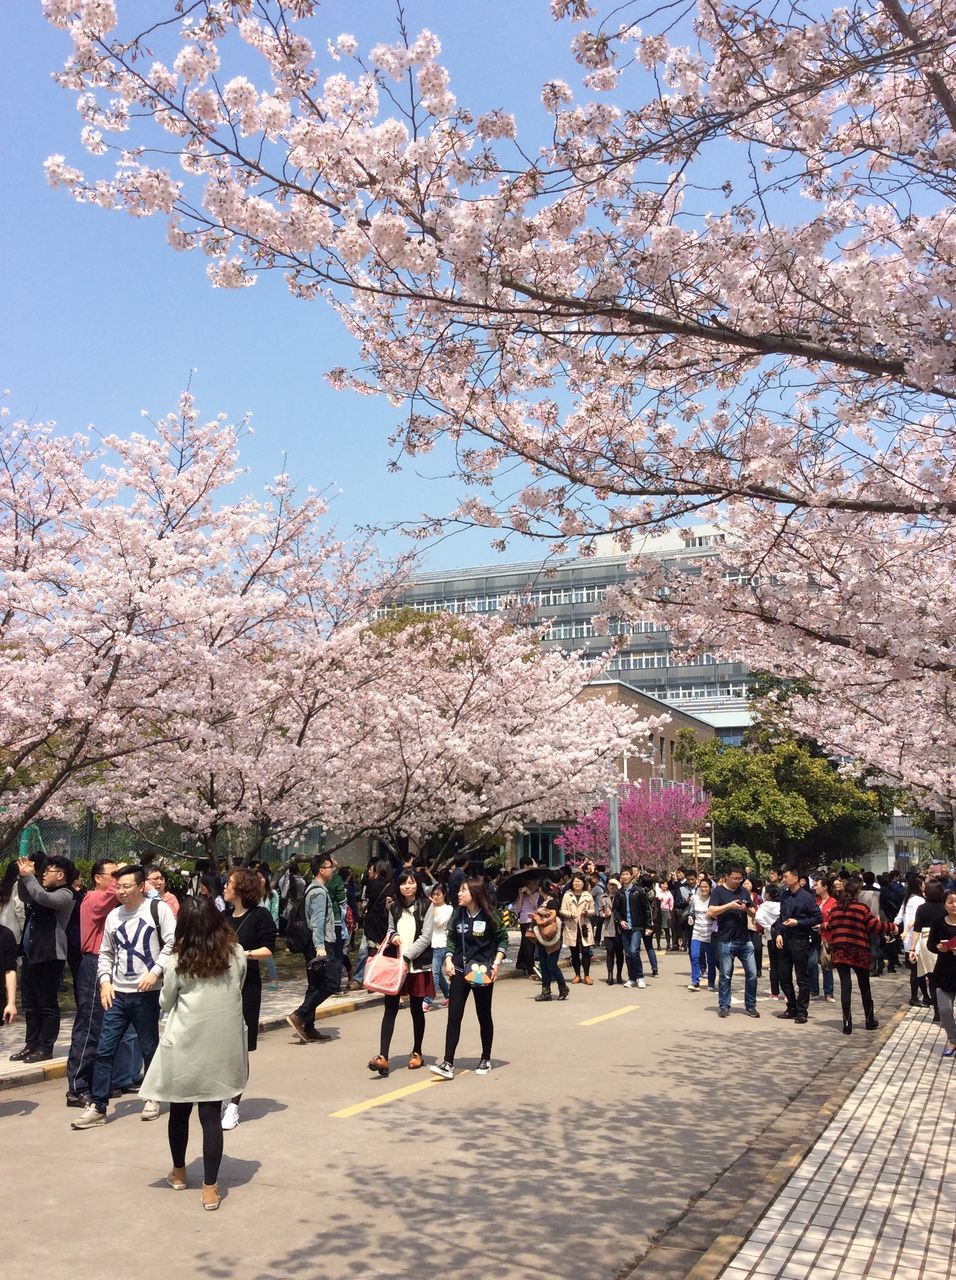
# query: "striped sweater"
849,926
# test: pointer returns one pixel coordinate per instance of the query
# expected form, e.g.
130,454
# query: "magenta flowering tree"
651,823
771,346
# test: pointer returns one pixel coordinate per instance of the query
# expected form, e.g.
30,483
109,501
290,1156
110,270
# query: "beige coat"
575,911
202,1055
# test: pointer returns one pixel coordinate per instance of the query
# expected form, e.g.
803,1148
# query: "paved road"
603,1118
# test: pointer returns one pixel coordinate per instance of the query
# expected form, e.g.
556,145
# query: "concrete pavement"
615,1130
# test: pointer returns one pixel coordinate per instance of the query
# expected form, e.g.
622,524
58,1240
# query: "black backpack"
298,935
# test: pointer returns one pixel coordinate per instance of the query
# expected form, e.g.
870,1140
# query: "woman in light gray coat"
202,1056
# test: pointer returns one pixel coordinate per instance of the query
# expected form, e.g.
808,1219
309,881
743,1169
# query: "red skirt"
418,984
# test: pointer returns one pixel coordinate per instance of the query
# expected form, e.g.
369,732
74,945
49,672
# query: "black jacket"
801,906
376,909
44,934
641,913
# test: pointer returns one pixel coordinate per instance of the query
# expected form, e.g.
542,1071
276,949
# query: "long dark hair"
479,896
914,885
850,892
204,941
419,905
10,878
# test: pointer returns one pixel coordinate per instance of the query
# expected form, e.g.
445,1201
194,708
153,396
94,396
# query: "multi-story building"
567,594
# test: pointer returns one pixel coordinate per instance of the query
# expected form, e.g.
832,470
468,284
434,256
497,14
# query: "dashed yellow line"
590,1022
383,1099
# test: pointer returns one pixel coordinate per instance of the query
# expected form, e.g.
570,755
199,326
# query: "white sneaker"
642,984
150,1111
230,1115
630,983
90,1119
443,1069
483,1067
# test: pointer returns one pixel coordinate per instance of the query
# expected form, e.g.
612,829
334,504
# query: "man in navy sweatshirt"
793,933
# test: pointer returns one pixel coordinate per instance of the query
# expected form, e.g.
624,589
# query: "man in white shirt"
137,942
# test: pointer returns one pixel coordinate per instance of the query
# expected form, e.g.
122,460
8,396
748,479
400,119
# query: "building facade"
567,594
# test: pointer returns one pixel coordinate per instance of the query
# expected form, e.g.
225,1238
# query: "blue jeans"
814,971
727,952
702,950
651,954
438,977
632,953
137,1009
128,1063
360,960
550,970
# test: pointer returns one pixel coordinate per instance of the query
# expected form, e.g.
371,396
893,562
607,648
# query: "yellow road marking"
589,1022
384,1098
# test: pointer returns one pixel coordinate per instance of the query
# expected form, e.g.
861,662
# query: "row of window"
693,692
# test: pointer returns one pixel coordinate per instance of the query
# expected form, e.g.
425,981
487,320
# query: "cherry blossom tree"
137,600
714,278
427,727
650,822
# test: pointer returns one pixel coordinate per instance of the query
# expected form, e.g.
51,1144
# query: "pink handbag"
385,973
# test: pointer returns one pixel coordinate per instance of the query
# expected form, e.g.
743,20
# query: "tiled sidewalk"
876,1196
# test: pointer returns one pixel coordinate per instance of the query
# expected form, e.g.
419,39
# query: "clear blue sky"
102,319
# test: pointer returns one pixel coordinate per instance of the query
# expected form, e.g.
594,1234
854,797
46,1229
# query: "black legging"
415,1004
917,984
457,1000
210,1117
845,972
581,959
614,949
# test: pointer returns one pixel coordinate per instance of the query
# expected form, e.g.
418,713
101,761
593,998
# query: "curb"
663,1256
276,1022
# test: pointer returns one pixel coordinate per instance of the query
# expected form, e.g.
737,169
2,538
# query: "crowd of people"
136,950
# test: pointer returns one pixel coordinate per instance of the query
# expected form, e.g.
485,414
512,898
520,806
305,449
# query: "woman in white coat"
202,1056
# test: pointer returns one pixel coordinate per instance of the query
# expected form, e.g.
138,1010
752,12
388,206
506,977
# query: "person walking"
702,937
477,944
819,958
255,932
766,917
632,916
201,1059
666,899
850,926
43,945
613,946
527,901
577,912
942,944
932,909
546,923
322,969
134,951
794,933
441,915
413,921
96,906
905,921
732,908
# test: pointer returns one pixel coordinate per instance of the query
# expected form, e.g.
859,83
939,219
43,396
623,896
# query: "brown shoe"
210,1197
575,980
177,1179
589,981
415,1060
379,1064
299,1027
